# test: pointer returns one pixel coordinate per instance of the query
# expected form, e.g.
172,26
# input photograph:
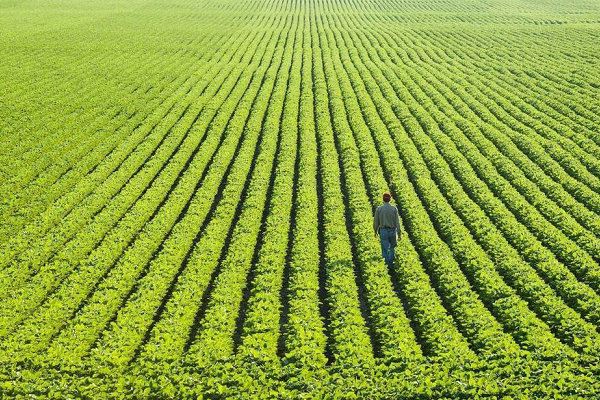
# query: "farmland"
187,190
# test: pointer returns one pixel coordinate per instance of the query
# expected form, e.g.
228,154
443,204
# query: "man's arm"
376,222
398,228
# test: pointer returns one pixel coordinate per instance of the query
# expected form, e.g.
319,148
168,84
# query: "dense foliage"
187,187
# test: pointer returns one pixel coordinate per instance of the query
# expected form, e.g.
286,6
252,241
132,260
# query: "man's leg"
385,244
393,243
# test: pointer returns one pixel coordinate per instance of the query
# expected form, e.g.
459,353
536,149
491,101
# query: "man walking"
386,224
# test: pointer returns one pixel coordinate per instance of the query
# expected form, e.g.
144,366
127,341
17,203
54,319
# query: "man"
386,224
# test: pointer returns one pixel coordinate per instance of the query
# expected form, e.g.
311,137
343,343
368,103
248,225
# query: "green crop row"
151,206
51,274
187,192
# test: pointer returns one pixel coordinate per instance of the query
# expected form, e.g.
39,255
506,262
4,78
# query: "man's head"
387,197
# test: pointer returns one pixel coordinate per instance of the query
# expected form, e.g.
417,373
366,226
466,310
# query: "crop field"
187,190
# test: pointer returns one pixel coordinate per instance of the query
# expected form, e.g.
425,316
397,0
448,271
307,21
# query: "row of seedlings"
119,271
62,175
305,341
121,163
394,338
171,333
488,158
506,258
435,329
145,202
502,300
349,341
215,338
167,238
564,248
578,294
484,332
263,307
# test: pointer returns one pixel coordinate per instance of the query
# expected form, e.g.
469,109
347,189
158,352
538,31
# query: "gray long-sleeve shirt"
386,216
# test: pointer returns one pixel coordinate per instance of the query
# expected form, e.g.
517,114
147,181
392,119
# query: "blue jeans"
387,236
